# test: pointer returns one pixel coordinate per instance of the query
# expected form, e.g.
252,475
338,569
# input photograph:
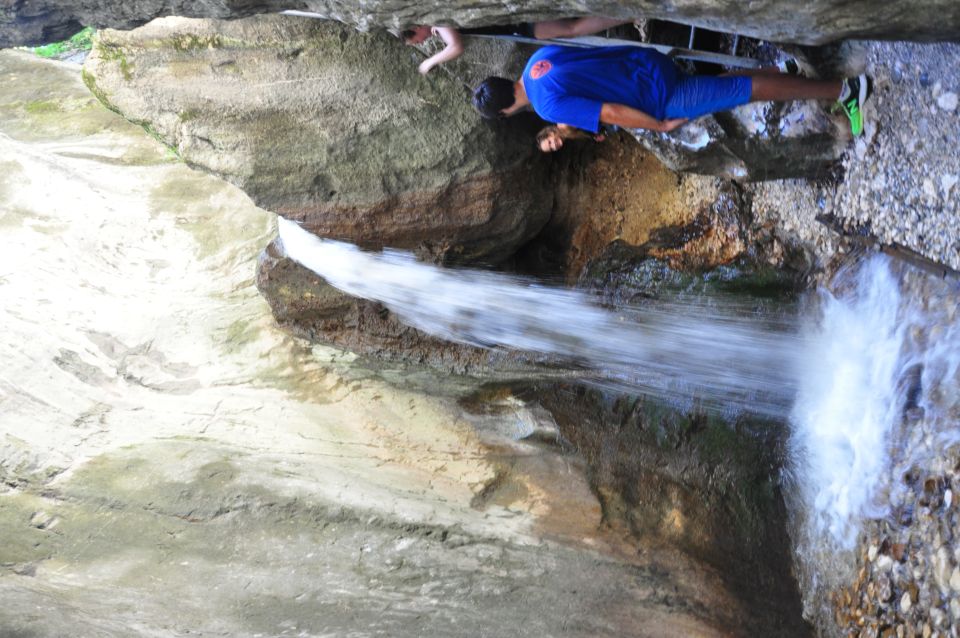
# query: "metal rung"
590,41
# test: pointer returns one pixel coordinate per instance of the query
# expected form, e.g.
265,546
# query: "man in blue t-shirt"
637,87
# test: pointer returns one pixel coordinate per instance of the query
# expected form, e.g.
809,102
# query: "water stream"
716,351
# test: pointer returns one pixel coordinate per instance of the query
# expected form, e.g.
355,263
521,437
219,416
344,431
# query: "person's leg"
574,27
782,88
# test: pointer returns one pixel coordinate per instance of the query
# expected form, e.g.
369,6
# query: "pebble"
905,602
942,568
947,101
947,182
955,579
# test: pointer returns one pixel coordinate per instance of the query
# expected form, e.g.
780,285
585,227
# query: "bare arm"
568,132
629,117
452,51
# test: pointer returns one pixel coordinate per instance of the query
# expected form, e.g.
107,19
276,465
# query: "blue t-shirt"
568,85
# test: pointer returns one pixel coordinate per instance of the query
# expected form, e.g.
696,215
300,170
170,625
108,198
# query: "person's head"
416,34
549,139
493,96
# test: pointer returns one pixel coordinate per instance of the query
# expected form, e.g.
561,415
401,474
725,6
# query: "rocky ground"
899,181
908,579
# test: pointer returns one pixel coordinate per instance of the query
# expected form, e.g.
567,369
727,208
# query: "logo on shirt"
540,69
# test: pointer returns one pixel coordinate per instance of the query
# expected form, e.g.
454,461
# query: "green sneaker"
855,92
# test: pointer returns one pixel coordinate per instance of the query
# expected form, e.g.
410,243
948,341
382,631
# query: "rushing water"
715,352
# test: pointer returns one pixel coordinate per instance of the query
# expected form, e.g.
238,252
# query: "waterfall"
712,351
849,369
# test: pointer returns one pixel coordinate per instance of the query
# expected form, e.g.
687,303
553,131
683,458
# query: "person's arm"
452,51
629,117
568,132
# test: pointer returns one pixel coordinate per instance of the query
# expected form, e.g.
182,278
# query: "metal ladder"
590,41
596,41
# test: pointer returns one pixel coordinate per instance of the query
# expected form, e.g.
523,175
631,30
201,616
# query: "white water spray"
721,354
875,354
847,404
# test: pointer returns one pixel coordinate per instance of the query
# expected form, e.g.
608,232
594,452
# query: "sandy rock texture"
34,21
332,128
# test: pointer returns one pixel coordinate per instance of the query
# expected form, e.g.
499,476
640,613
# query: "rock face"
819,21
758,141
331,127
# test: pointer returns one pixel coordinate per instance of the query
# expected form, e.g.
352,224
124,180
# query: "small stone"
948,101
872,553
905,602
884,588
955,607
955,579
947,182
924,79
927,630
884,563
942,568
938,616
897,550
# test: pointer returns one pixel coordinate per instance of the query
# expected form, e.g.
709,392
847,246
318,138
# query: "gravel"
900,180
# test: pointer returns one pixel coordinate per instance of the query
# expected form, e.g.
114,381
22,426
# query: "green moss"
113,53
152,132
41,106
82,41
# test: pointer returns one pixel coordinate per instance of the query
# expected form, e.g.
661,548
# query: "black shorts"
523,29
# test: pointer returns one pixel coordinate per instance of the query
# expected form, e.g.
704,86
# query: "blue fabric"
696,95
569,85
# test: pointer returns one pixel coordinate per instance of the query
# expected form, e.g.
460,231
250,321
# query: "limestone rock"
334,128
37,21
757,141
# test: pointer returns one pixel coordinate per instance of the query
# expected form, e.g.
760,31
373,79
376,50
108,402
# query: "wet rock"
332,128
660,473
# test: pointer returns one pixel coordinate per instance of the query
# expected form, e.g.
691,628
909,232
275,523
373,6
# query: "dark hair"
492,96
546,132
